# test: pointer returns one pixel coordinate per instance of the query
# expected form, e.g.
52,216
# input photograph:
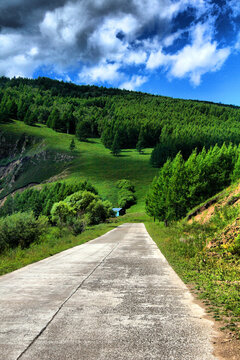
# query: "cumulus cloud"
195,59
200,57
103,41
157,59
134,83
103,72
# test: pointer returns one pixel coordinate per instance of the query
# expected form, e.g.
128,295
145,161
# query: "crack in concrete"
65,301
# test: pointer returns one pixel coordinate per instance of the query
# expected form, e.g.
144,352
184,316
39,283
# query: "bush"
80,201
77,226
80,208
125,184
98,211
74,198
21,229
61,212
126,199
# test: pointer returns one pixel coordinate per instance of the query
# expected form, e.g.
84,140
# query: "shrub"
61,212
74,198
21,229
80,201
98,211
126,199
87,198
77,226
79,206
125,184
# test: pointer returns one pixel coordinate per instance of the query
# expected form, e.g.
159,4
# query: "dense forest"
122,119
181,185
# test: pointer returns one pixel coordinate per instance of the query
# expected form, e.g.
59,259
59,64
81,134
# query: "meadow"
91,161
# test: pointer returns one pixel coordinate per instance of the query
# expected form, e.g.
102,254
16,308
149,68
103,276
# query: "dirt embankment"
204,213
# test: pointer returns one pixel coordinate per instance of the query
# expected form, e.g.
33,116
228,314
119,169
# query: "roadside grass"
213,273
92,162
56,240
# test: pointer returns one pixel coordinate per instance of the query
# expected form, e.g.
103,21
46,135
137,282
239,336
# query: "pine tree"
116,149
72,145
176,200
29,118
167,198
54,119
141,143
23,105
83,130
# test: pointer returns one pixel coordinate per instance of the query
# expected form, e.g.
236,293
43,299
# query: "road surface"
114,297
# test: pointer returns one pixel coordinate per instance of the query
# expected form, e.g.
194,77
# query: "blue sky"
179,48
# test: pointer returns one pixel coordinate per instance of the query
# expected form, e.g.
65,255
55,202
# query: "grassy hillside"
90,160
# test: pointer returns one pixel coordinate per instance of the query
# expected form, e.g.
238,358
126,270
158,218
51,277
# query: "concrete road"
115,297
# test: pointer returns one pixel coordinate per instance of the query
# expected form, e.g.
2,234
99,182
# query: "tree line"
182,184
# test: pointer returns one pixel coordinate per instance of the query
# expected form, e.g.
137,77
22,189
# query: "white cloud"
10,44
193,60
101,73
17,56
200,57
62,25
33,52
135,57
135,82
18,65
105,39
237,43
157,59
169,40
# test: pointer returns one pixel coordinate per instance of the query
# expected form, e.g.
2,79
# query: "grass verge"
214,273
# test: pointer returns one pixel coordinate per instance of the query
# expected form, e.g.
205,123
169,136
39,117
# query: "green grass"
55,241
215,274
92,161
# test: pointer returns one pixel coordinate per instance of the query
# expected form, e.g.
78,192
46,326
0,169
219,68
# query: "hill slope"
135,119
47,154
